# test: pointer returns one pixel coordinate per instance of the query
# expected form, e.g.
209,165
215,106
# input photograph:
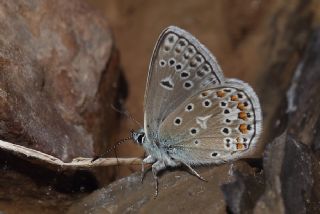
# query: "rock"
58,77
287,33
179,192
35,189
289,179
303,100
292,160
301,112
241,194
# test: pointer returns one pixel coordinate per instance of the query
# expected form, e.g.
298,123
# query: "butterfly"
193,115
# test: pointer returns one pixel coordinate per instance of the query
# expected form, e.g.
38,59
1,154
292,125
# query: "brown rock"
242,194
303,99
292,160
29,188
179,192
58,77
289,177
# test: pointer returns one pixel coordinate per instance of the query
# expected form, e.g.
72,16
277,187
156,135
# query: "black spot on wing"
167,84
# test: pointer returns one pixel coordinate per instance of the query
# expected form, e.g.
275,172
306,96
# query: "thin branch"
87,163
77,163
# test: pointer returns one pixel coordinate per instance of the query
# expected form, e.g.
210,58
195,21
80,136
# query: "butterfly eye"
140,138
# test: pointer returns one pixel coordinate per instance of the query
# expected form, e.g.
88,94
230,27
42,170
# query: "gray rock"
242,194
289,179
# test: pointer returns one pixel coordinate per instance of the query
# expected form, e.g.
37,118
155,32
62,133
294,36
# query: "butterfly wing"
214,125
180,67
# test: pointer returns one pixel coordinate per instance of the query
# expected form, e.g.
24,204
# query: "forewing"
213,126
180,67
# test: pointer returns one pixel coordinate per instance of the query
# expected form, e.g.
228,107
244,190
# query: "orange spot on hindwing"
234,98
240,106
204,94
221,93
242,115
243,129
240,146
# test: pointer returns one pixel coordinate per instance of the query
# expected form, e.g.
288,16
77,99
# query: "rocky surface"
289,177
58,77
179,192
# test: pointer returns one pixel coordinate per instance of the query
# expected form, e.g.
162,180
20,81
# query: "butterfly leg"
194,172
157,167
147,160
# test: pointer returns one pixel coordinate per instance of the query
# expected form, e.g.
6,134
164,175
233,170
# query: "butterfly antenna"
113,148
126,113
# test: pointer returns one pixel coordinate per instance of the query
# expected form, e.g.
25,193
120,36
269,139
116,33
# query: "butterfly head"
138,136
